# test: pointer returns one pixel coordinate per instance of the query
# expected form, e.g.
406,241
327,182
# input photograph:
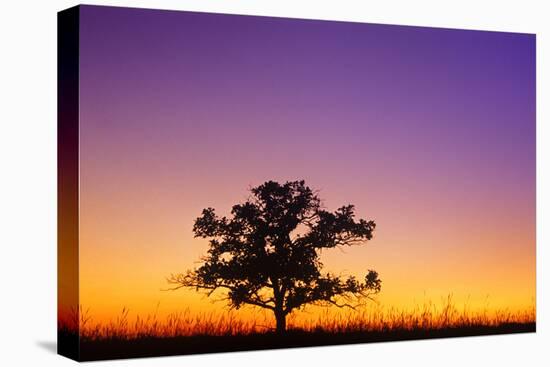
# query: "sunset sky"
429,132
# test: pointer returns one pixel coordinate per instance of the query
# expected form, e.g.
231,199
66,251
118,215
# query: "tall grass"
428,316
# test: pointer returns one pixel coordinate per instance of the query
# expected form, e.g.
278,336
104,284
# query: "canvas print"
233,183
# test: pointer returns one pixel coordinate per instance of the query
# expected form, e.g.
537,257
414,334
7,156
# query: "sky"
428,132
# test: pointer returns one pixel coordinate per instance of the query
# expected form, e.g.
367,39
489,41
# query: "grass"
186,332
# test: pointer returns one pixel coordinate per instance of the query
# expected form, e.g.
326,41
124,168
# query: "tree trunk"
280,317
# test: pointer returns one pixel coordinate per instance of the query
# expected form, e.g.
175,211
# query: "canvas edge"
68,24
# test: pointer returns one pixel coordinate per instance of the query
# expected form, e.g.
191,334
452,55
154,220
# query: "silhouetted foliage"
267,253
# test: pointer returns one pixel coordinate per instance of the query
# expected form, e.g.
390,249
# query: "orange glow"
129,245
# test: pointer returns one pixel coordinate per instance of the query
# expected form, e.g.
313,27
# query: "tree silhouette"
267,253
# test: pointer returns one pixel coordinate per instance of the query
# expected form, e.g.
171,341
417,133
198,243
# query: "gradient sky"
430,132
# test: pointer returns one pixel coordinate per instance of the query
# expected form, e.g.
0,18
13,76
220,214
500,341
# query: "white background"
28,182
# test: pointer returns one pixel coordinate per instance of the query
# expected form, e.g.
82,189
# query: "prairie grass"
426,317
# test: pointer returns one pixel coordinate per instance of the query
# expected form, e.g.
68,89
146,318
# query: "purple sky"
239,83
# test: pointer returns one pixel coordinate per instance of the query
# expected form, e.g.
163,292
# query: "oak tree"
267,253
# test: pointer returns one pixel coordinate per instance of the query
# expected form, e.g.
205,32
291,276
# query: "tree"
267,253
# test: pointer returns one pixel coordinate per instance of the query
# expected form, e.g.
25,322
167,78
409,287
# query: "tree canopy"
267,253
